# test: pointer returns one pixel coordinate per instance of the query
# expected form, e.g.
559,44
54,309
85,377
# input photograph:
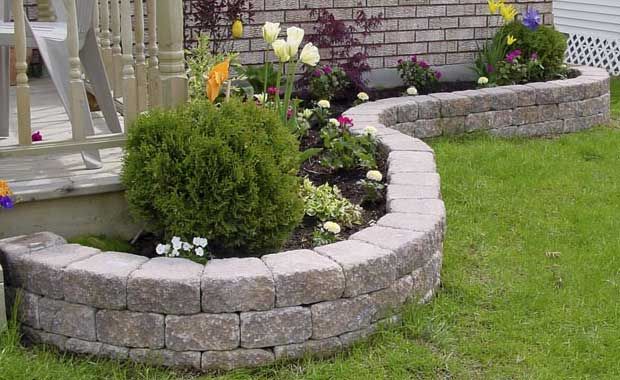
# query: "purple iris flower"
424,65
327,69
318,72
531,18
490,68
414,58
6,202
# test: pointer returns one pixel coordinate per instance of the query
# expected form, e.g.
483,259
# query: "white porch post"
171,54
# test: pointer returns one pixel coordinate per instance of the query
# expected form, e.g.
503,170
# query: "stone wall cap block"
100,280
413,222
304,277
409,191
401,142
417,206
418,179
366,267
30,243
173,286
230,285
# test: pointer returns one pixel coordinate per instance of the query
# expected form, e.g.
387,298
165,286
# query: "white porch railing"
140,79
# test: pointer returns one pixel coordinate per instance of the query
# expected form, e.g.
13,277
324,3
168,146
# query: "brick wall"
441,31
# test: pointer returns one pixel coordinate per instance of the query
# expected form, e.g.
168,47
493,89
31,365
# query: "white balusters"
130,90
21,67
154,82
77,95
140,56
116,80
105,36
45,11
171,53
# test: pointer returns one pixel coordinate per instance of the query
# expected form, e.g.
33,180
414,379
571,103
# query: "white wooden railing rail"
140,78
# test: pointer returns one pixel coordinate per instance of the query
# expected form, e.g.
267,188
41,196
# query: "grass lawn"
531,281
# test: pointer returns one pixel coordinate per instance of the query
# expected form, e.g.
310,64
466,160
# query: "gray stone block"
427,128
366,267
275,327
417,206
488,120
417,179
41,337
85,347
412,192
401,141
452,126
240,358
540,129
166,358
60,317
453,105
317,348
101,280
333,318
524,96
407,112
304,277
547,92
413,222
481,102
231,285
501,98
130,329
581,123
350,338
428,107
27,306
411,162
427,279
202,332
535,114
165,285
389,301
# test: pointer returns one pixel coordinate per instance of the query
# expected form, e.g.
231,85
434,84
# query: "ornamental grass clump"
223,173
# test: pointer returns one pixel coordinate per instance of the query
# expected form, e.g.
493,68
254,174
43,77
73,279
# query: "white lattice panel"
594,51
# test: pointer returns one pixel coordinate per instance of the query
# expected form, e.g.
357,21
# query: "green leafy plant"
224,173
373,187
418,73
328,82
516,69
344,150
327,233
255,75
326,203
201,60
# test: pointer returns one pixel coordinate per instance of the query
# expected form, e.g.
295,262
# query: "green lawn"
531,282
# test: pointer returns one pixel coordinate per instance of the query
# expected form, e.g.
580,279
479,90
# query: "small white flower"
162,249
332,227
334,122
370,131
363,96
200,252
308,113
261,98
175,253
187,247
412,91
324,103
176,243
200,242
483,80
374,175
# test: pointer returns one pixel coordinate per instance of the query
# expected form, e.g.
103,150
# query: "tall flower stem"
289,88
278,83
266,77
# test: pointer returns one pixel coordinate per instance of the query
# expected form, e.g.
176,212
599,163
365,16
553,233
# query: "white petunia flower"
176,243
200,242
308,113
175,253
363,96
187,247
324,103
162,249
370,131
374,175
332,227
412,91
200,252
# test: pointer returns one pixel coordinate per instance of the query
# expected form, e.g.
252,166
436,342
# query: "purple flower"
531,18
6,202
424,65
414,58
438,74
328,70
345,122
490,68
273,90
37,136
510,57
289,113
534,56
400,61
317,72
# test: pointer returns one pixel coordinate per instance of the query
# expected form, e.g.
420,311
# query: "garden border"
247,312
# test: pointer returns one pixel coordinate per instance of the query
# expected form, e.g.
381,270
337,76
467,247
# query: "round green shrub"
224,173
548,43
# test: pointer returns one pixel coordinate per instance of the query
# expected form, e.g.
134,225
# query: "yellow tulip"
510,40
508,12
237,29
216,78
494,6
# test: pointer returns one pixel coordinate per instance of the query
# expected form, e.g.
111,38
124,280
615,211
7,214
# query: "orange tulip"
216,78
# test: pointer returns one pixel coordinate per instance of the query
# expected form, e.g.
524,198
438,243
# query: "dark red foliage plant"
215,18
346,42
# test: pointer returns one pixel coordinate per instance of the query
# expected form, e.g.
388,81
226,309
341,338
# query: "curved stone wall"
246,312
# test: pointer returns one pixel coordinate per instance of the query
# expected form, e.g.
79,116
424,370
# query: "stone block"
524,96
389,301
28,306
240,358
366,267
350,338
501,98
416,179
400,141
540,129
304,277
407,112
488,120
130,329
411,162
41,272
452,104
427,279
34,336
481,102
333,318
166,358
451,126
427,128
535,114
317,348
417,206
101,280
547,92
585,122
412,192
85,347
428,107
165,285
432,224
72,320
202,332
230,285
275,327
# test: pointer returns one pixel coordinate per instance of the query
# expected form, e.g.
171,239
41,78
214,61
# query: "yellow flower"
510,39
5,190
216,78
508,12
237,29
494,6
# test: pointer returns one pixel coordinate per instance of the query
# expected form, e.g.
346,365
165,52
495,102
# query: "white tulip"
412,91
271,30
280,48
294,36
310,55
